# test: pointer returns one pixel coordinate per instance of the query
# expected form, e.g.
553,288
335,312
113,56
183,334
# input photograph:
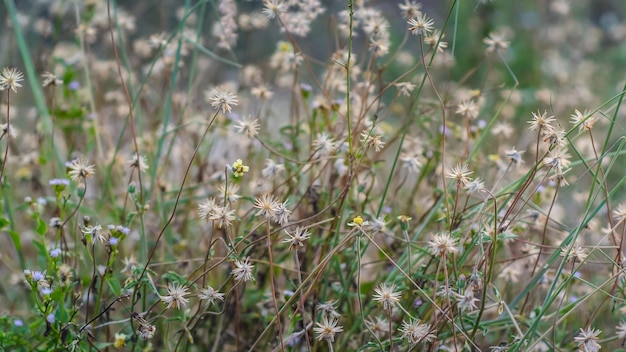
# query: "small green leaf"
17,242
41,248
57,294
42,253
115,285
3,222
129,218
42,228
370,346
175,278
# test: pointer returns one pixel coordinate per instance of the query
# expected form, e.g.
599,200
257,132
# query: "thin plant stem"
348,80
180,191
273,287
443,132
8,136
92,105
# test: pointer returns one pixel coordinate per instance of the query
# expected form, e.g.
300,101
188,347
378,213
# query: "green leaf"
370,346
129,285
115,285
57,294
42,256
129,218
17,242
175,278
367,287
3,222
42,228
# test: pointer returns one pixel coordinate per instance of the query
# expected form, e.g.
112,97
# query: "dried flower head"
416,333
94,233
460,173
495,43
324,145
410,8
49,79
243,270
620,330
468,109
443,244
146,331
435,40
584,121
372,140
6,129
10,78
175,296
138,161
282,213
620,213
467,300
272,168
273,8
411,162
328,309
267,205
475,186
297,238
420,24
228,192
514,156
327,329
379,225
587,340
262,92
248,127
405,88
386,295
541,121
207,209
558,159
130,263
80,169
379,326
210,295
555,137
65,274
576,254
222,100
223,216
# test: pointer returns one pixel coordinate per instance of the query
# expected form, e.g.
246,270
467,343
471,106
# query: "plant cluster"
442,178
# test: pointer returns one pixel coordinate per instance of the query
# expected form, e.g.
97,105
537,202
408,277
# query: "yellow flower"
404,222
239,168
404,218
285,47
358,221
120,341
